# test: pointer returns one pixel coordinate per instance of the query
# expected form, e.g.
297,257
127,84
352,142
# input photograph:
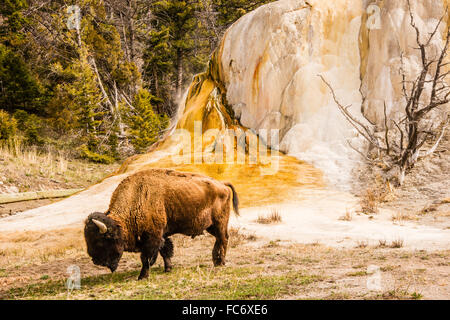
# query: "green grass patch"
201,282
357,274
3,273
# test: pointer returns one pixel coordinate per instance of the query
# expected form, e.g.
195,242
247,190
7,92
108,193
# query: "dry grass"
370,201
400,217
272,218
24,168
382,244
396,244
347,217
42,246
49,164
272,270
377,193
361,244
236,237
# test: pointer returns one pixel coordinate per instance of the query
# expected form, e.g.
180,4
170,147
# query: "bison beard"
149,207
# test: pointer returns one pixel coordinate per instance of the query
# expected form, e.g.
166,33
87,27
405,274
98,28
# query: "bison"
149,207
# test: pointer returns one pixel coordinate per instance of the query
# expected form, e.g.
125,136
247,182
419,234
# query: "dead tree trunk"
180,56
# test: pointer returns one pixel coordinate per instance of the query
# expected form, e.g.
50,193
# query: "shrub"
273,217
8,126
87,154
31,126
398,243
21,117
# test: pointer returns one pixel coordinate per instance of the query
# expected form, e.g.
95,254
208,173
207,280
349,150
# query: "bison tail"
235,198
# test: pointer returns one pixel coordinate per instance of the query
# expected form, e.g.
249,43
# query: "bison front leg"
148,256
145,267
167,253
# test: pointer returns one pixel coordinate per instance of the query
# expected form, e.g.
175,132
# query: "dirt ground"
425,195
35,265
9,209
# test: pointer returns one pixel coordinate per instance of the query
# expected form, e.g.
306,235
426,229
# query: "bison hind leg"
220,246
167,253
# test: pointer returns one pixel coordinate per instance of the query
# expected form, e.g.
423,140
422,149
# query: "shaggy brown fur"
150,206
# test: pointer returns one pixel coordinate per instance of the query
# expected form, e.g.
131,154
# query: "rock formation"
265,72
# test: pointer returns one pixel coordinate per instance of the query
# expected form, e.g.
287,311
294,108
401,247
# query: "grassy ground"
34,266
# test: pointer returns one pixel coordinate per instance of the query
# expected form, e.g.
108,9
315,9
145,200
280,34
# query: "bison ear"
101,226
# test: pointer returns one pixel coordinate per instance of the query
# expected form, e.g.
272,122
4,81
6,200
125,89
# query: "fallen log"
37,195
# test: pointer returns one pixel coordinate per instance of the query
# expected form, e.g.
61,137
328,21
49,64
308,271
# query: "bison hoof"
143,276
168,269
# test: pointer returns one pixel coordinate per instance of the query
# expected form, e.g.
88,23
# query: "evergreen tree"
230,11
146,126
179,17
69,87
158,63
19,89
12,27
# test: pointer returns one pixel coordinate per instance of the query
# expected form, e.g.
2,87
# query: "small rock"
12,189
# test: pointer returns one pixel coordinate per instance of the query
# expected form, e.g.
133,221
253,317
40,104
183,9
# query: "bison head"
104,240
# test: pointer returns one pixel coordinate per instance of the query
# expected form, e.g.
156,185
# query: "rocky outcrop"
265,73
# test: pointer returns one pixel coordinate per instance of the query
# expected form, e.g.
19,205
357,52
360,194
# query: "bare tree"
400,148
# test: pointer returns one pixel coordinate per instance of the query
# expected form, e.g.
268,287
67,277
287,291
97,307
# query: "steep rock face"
266,72
381,49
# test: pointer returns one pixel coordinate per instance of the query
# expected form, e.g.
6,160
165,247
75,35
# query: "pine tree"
12,32
19,89
179,17
230,11
158,63
146,126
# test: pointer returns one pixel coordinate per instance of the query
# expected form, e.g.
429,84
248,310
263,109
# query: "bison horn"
101,226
